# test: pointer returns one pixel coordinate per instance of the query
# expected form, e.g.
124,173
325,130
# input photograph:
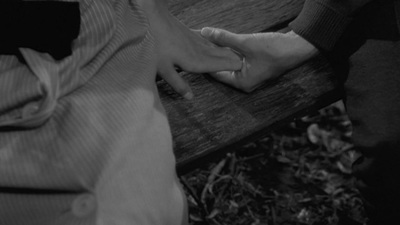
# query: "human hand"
266,55
180,47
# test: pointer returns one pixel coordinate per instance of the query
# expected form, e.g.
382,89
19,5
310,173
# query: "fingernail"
188,95
206,31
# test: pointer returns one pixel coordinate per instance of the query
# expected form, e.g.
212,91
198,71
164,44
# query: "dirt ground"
299,174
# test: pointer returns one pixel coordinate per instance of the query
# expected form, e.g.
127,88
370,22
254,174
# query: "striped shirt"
85,139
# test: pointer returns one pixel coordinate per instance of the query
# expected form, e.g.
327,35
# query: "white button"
84,205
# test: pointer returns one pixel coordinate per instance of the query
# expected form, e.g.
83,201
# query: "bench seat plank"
220,118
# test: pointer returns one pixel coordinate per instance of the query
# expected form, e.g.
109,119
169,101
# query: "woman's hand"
266,55
179,47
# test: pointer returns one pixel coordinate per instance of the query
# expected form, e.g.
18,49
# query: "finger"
211,57
211,60
223,38
177,83
237,79
227,77
221,59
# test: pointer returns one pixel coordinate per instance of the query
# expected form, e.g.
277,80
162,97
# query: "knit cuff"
320,23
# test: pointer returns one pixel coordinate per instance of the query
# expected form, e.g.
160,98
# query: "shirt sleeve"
322,22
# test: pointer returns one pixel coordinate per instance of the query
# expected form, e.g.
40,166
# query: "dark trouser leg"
373,104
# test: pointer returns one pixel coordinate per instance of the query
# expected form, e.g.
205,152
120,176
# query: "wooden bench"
219,119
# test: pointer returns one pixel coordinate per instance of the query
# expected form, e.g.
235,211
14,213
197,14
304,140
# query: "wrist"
302,46
297,50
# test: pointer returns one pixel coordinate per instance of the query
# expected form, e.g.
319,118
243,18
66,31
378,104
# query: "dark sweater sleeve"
322,22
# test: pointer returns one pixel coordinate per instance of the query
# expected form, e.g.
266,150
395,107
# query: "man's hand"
266,55
180,47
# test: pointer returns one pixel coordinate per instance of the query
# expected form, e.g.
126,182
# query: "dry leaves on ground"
300,174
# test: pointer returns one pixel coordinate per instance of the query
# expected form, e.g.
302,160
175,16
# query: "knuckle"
198,64
217,34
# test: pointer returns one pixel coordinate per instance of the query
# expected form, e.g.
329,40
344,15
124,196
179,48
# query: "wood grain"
240,16
220,118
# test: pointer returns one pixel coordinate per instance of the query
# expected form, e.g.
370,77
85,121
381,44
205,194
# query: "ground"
299,174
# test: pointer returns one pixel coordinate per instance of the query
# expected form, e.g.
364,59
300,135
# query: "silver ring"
243,64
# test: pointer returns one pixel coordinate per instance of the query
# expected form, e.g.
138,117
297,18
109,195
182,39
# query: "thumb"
223,38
